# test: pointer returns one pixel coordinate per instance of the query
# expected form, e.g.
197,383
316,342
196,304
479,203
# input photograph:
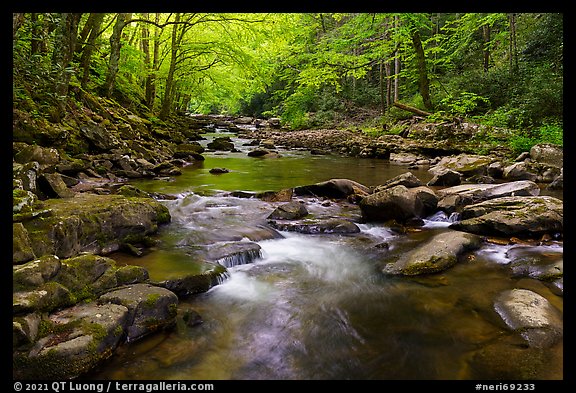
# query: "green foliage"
547,133
314,69
296,108
552,133
464,104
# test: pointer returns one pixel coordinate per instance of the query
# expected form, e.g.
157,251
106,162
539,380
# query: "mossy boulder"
71,342
522,216
439,253
94,223
151,308
21,246
48,283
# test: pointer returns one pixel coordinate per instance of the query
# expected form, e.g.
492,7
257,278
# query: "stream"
316,306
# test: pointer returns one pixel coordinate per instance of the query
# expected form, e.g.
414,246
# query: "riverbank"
73,208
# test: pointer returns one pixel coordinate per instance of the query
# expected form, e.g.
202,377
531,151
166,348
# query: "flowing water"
317,306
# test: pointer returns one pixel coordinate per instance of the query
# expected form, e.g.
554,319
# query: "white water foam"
323,259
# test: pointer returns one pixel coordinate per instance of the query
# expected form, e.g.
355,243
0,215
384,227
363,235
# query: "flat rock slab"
527,216
94,223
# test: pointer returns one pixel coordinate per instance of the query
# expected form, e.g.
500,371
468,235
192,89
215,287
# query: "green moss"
151,300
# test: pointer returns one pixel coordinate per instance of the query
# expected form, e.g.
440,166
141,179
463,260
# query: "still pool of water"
317,307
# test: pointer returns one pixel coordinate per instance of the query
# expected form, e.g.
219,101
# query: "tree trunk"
411,109
17,22
150,86
423,82
513,48
383,104
167,102
388,67
115,45
486,37
64,45
396,66
85,59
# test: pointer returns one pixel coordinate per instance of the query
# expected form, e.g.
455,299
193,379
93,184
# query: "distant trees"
307,68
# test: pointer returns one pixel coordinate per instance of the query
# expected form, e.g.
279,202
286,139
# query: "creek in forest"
317,306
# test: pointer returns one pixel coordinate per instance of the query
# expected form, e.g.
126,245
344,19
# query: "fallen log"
411,109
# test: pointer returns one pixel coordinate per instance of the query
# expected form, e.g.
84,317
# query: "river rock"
445,177
466,164
276,196
528,216
333,188
221,143
230,254
52,185
94,223
74,341
184,150
289,211
150,308
437,254
531,315
258,152
49,283
398,203
188,284
99,138
45,156
26,175
558,182
548,154
315,226
21,246
407,179
455,198
535,262
519,171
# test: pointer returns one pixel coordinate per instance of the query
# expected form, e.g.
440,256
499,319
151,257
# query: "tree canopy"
309,69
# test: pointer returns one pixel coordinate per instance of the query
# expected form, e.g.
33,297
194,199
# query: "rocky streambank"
73,305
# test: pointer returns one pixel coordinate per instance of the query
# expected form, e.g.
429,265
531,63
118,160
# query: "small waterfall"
454,217
240,258
441,219
231,254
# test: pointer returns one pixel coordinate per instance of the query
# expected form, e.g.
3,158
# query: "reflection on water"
317,306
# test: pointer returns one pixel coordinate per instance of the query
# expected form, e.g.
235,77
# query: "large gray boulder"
437,254
333,188
289,211
548,154
522,216
398,203
531,315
